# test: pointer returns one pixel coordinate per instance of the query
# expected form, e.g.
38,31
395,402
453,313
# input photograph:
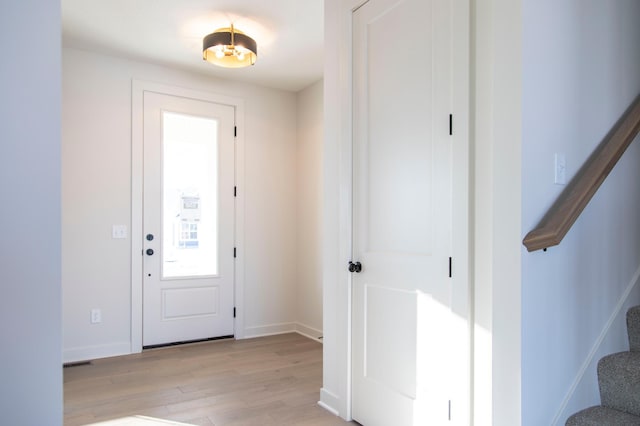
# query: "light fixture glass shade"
229,48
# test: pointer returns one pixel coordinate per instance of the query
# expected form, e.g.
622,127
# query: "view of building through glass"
189,196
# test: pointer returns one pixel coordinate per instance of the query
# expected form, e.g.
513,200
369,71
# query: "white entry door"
188,285
402,212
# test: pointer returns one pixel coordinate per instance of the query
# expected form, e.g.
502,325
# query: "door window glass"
189,196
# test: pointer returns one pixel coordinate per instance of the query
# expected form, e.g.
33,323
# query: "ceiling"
289,34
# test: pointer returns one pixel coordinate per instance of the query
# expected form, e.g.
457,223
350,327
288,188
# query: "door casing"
138,88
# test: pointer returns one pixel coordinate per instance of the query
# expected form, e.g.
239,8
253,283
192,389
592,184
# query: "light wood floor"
266,381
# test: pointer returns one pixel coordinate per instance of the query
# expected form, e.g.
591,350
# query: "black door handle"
149,252
355,267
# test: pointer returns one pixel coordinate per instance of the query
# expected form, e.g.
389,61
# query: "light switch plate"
119,231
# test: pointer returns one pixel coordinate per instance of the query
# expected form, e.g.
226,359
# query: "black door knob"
355,267
149,237
149,252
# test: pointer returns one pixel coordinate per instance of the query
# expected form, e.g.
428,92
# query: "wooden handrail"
575,197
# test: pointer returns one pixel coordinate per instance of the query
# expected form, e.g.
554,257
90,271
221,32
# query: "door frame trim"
138,87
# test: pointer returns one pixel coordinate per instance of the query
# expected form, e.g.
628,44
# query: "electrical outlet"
96,316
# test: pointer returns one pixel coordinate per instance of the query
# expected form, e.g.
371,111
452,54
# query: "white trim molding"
87,353
329,401
269,330
283,328
308,331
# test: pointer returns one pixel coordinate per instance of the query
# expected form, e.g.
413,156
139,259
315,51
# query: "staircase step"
619,381
600,416
633,328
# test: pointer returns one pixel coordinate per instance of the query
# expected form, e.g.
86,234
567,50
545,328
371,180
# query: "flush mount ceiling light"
229,48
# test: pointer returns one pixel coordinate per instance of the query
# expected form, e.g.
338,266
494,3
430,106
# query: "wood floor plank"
265,381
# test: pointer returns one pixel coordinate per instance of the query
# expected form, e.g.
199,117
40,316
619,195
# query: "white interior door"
188,267
402,212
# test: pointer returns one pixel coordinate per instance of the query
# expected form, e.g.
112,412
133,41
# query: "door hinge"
234,252
234,311
235,131
450,267
450,124
235,191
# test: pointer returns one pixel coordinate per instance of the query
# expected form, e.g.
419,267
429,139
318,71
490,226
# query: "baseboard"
87,353
329,401
283,328
622,302
310,332
269,330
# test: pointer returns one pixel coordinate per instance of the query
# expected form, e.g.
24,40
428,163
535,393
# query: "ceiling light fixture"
229,48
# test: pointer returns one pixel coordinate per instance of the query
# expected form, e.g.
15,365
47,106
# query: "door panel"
188,219
190,302
401,211
381,304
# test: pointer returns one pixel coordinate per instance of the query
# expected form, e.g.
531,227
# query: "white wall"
581,70
309,210
31,373
96,194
